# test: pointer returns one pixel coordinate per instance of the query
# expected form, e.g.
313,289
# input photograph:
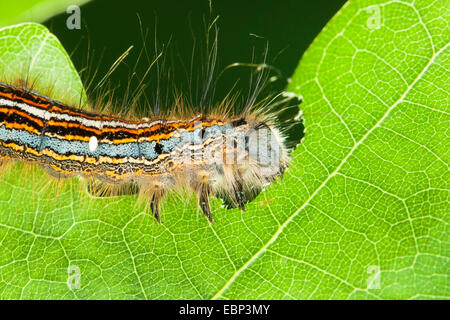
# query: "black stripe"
16,118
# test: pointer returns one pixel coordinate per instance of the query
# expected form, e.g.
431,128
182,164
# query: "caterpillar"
211,154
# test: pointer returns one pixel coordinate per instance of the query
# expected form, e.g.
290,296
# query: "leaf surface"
362,212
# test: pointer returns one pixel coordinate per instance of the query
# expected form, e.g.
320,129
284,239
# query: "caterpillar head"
254,154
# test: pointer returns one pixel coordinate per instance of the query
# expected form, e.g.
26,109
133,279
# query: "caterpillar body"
213,155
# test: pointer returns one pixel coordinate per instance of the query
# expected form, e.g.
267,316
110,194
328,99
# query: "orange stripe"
71,111
64,124
22,114
12,96
21,126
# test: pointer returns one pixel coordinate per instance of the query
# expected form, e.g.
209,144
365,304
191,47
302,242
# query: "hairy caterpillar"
212,154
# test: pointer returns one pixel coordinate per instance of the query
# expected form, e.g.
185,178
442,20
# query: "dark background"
110,27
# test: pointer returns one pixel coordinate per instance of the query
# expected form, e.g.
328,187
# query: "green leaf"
362,212
30,53
33,10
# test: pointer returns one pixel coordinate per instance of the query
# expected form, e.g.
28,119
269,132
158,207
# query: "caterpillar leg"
154,206
239,195
203,201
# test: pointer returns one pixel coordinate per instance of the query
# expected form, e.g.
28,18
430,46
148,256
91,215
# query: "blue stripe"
65,146
119,150
20,136
148,150
132,149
